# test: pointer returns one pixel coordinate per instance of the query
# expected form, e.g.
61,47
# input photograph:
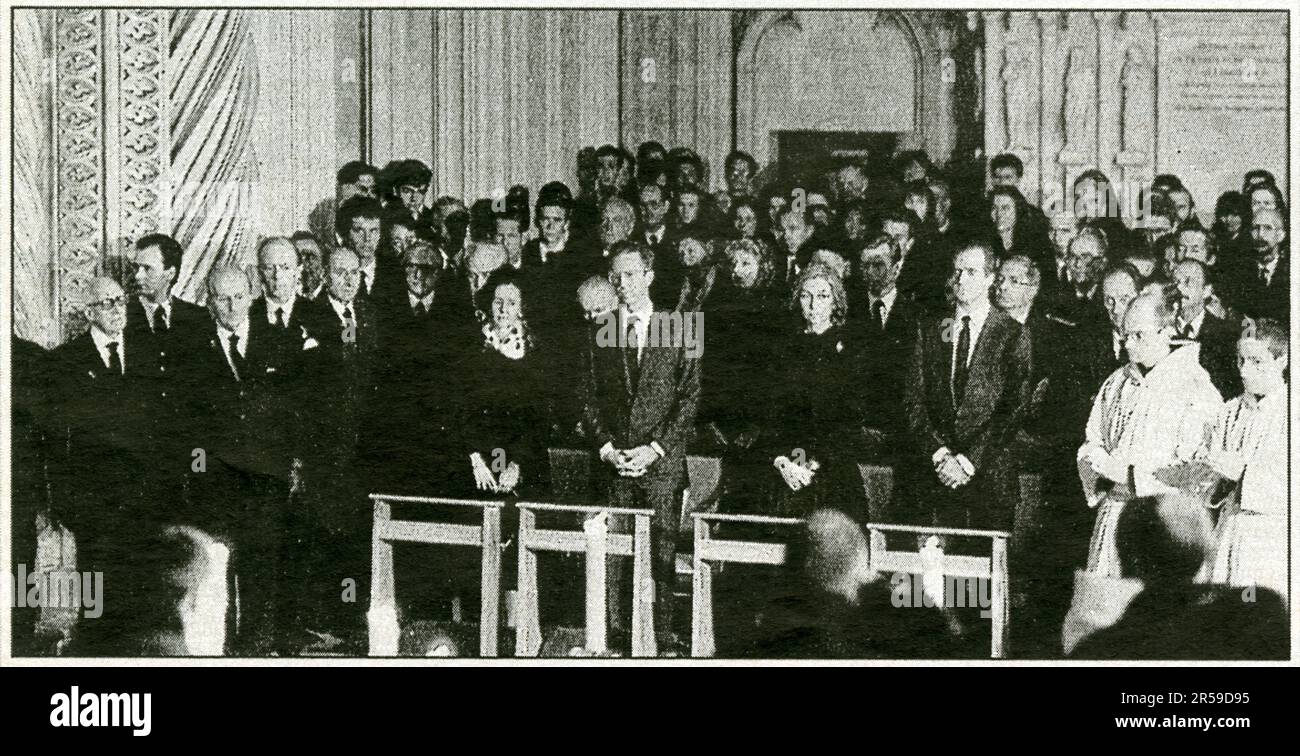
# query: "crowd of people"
873,313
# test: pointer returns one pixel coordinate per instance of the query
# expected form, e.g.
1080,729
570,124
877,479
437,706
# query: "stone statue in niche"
1135,85
1017,98
1080,93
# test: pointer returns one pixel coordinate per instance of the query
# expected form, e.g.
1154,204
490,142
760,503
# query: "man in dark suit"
360,222
1260,287
796,241
163,330
886,320
244,383
970,375
1050,541
103,459
1077,298
653,231
925,262
346,388
640,395
279,315
1217,337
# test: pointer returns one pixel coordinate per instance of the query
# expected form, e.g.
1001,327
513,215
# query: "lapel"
982,382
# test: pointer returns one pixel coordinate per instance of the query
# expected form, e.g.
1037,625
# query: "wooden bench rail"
710,551
486,537
596,543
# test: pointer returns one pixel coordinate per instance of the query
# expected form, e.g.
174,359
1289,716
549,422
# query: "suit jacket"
251,422
1218,339
884,358
978,423
103,423
1244,292
161,355
658,405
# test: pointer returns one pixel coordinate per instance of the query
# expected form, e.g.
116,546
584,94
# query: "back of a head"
836,551
1163,541
187,592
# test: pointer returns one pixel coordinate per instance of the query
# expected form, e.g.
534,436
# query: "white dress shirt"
271,307
1196,324
224,334
150,308
369,271
102,340
978,315
641,324
411,299
339,306
888,299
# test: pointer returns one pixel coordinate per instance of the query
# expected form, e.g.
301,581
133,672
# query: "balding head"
230,294
105,307
597,297
616,221
277,263
838,560
483,258
1147,328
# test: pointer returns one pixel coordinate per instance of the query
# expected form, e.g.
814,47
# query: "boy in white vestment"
1149,414
1247,446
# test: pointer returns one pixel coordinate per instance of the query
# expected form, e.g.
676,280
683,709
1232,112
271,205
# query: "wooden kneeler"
992,568
710,551
486,537
596,542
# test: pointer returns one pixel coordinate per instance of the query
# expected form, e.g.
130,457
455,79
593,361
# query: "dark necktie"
420,310
1263,276
236,358
961,371
114,358
631,354
1188,333
279,317
159,324
365,283
878,315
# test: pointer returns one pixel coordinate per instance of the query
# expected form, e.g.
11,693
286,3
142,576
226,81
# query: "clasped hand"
796,476
484,480
631,463
951,473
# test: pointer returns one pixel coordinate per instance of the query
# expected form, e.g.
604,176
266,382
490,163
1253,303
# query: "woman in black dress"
811,431
506,423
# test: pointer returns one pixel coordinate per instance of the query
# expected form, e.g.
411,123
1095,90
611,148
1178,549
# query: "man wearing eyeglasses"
102,470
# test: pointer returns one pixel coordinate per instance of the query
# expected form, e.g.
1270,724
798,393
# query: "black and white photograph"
648,335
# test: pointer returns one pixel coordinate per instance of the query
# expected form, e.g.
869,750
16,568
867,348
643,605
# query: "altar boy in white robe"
1150,414
1247,446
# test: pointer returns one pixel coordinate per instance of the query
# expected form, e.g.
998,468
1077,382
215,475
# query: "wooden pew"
992,568
710,551
486,537
596,542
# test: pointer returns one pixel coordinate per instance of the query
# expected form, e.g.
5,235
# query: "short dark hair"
304,236
169,247
553,199
1124,268
743,157
353,208
883,240
1092,174
609,150
1257,176
1007,160
506,274
646,148
352,171
1166,182
900,216
907,157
